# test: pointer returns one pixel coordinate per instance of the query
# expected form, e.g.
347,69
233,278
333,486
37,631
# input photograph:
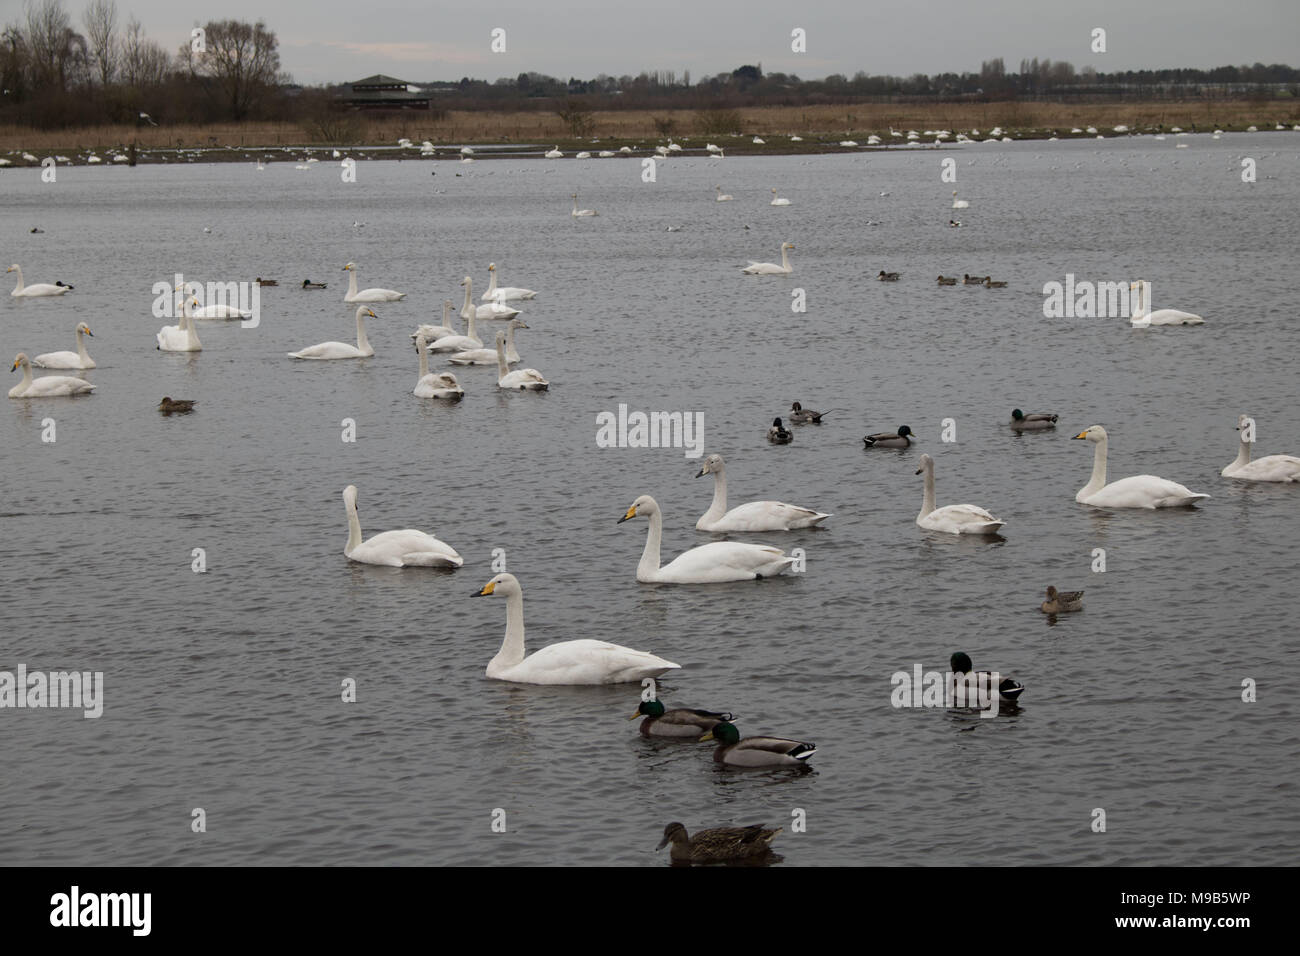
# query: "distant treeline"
58,73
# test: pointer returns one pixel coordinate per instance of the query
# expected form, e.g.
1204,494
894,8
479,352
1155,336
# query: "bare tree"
100,21
144,62
242,58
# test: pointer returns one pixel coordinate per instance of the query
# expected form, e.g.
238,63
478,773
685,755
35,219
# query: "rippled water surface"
223,688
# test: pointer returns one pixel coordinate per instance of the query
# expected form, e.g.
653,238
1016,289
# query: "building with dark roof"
380,92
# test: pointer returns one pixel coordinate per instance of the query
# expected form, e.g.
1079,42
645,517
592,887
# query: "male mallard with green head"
900,439
1029,423
681,722
757,751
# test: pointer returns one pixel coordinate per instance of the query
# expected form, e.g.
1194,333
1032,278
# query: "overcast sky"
339,40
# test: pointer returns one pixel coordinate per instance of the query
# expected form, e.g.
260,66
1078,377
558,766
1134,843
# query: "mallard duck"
888,276
756,751
947,280
1028,423
972,280
1008,689
681,722
778,434
993,284
801,416
261,281
900,439
180,405
717,844
1060,602
308,284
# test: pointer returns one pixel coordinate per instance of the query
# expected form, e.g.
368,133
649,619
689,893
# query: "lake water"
222,689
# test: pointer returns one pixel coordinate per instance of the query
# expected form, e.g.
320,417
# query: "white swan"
1269,468
180,337
47,386
436,385
1139,491
460,343
489,356
497,293
959,203
752,516
771,268
581,212
36,290
77,359
553,153
777,200
367,295
723,197
707,564
1141,318
524,379
216,311
396,549
567,662
488,310
432,333
953,519
341,350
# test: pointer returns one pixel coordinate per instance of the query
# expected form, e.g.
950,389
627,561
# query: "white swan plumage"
771,268
342,350
47,386
951,519
777,200
78,359
752,516
37,289
1139,491
214,311
396,549
497,293
959,203
181,337
1142,319
713,563
583,661
432,333
723,197
523,379
367,295
470,340
441,385
1269,468
489,356
577,213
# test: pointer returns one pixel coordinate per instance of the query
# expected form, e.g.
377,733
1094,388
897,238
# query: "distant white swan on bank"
47,386
37,289
771,268
1269,468
77,359
583,661
752,516
367,295
342,350
1139,491
952,519
396,549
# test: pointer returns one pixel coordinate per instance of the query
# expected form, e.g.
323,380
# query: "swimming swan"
77,359
777,200
578,213
568,662
952,519
459,343
367,295
180,337
396,549
1141,319
1139,491
771,268
48,386
215,311
509,293
753,516
489,356
523,379
707,564
341,350
36,290
489,310
1269,468
432,333
439,385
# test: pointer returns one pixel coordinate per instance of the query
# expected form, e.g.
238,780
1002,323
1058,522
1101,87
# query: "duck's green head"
649,708
723,732
1017,414
960,663
905,432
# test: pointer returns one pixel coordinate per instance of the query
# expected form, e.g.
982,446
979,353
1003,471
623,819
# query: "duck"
583,661
968,279
993,284
804,416
1009,690
78,359
952,519
1139,491
1142,318
681,722
36,290
181,337
778,434
521,379
899,439
1033,422
267,282
367,295
308,284
719,844
407,548
757,751
441,385
432,333
722,197
497,293
579,213
959,203
1269,468
752,516
771,268
177,406
947,280
47,386
717,562
342,350
777,200
489,356
1061,602
888,276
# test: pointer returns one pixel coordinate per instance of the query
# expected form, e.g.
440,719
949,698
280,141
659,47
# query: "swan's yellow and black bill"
631,513
487,589
1082,434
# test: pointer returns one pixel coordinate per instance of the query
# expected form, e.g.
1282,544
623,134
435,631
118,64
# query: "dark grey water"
223,689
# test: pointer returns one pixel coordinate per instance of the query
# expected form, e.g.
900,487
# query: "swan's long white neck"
1098,479
927,501
492,283
785,258
27,375
81,346
363,343
502,368
1243,455
719,506
648,566
512,647
512,354
354,529
1140,304
20,280
424,357
352,282
446,314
